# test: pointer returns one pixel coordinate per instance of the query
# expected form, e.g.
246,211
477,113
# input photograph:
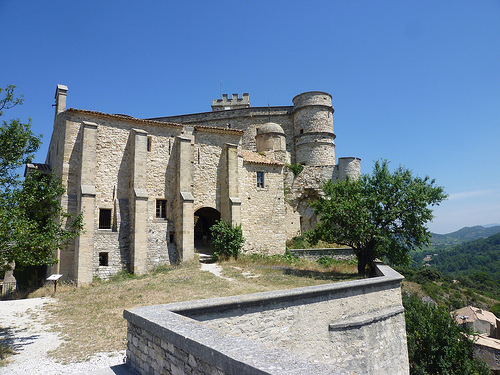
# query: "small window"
105,218
171,237
150,141
256,130
103,259
161,208
301,131
260,179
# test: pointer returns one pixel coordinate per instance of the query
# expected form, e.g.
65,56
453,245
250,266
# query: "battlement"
231,103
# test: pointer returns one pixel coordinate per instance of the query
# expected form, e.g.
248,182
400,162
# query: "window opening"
103,259
161,208
171,237
260,179
301,131
150,141
105,218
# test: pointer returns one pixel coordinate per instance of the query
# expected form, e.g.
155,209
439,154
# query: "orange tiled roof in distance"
256,158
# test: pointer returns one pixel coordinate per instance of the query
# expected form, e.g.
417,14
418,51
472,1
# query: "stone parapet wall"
343,328
340,253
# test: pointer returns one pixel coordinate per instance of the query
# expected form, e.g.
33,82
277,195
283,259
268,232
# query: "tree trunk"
365,258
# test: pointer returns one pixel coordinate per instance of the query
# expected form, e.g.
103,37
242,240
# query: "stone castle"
149,189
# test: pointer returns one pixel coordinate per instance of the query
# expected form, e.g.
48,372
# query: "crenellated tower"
313,129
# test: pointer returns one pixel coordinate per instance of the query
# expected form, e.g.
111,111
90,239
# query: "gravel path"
22,322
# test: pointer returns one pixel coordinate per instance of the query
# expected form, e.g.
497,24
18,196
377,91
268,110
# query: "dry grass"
90,319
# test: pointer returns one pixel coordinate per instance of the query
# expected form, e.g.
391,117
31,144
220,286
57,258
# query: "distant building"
478,320
487,344
150,189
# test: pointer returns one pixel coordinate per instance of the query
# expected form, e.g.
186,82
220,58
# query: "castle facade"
149,189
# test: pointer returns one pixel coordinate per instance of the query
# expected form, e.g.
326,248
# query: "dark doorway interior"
204,218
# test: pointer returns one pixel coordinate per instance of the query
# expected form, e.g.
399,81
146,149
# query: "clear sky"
413,82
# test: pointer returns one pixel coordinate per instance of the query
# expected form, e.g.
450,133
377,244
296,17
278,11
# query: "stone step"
206,258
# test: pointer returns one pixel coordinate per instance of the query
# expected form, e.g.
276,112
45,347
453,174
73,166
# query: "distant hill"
472,257
465,234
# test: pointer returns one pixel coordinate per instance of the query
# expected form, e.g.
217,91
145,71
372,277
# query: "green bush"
288,257
427,274
436,344
296,168
227,240
495,309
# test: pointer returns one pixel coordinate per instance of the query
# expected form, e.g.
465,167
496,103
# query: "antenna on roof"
268,112
220,87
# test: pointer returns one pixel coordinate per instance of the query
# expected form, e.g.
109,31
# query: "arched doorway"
204,218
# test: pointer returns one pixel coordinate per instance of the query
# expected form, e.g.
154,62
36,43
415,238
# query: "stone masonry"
342,328
149,189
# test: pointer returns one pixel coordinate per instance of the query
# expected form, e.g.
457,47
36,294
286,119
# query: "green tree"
32,222
378,215
227,240
436,344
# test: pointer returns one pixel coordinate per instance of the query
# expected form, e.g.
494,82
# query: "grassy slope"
90,319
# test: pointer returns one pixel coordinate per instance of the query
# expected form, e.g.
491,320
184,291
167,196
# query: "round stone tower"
271,140
313,129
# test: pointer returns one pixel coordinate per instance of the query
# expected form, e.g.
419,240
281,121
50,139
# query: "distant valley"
440,241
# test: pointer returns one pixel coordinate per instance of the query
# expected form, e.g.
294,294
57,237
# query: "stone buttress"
138,202
84,249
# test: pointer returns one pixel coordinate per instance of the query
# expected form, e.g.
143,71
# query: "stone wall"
349,327
263,209
344,253
248,120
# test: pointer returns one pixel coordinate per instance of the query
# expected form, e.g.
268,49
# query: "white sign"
54,277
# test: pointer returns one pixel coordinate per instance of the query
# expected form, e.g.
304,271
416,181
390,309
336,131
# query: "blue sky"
413,82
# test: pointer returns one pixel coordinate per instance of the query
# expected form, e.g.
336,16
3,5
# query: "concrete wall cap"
141,193
88,190
187,196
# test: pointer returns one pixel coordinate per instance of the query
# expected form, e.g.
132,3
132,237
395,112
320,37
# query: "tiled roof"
256,158
473,314
210,129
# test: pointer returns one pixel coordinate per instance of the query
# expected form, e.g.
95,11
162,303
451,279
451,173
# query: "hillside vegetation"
459,275
440,241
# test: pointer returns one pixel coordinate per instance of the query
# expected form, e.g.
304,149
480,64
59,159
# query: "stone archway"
204,218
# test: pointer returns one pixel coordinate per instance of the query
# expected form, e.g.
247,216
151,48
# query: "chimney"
61,94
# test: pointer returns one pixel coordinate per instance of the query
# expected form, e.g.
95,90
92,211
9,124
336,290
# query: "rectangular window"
161,208
103,259
260,179
150,141
105,218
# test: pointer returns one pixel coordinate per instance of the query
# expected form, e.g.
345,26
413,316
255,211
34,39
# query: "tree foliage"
32,222
227,240
436,344
378,215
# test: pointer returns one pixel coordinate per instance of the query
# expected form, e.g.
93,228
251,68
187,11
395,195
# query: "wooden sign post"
54,278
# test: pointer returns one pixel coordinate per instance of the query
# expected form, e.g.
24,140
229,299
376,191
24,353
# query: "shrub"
495,309
436,345
296,168
427,274
227,240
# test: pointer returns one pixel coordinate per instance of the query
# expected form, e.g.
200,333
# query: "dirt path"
22,324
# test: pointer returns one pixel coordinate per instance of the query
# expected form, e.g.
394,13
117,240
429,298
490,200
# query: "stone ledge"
367,318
